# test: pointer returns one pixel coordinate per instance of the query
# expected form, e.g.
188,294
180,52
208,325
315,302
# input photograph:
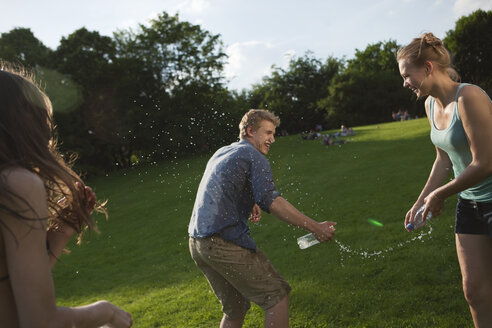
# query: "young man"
238,181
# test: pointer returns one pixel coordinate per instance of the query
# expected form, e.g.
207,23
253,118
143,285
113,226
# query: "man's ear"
249,131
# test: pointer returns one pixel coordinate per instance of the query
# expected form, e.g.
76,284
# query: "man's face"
263,137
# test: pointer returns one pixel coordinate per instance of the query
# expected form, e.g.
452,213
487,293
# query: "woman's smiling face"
413,77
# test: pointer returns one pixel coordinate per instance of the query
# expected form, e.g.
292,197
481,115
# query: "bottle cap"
410,226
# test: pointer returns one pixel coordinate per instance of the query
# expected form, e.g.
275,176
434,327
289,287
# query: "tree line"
159,91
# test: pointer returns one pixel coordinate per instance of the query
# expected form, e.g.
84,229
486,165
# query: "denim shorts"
473,217
238,275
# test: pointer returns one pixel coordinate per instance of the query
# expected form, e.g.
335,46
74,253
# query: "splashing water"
368,254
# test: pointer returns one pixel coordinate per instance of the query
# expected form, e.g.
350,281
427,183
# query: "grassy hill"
370,277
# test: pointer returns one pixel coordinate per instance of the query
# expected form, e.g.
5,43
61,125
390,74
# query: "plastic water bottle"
307,241
418,221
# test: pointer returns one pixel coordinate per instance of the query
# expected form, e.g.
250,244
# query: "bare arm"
440,171
285,211
57,240
29,269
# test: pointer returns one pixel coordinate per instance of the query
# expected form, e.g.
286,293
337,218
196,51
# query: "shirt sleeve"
264,191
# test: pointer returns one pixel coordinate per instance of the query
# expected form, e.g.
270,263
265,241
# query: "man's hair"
253,119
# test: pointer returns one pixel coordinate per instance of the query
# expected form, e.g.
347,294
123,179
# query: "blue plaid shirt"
236,177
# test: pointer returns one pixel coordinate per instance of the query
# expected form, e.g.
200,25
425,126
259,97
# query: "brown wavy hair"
27,140
428,47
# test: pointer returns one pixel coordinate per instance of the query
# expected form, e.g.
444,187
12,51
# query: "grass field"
140,260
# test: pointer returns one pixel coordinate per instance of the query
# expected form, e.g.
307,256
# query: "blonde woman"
460,116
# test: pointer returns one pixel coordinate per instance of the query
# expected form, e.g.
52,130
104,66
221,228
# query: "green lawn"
140,260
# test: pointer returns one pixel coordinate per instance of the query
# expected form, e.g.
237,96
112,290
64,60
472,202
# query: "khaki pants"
237,275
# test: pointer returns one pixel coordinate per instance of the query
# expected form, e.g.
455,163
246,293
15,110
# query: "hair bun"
431,40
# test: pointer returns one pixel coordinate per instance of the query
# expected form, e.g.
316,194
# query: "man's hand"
255,214
325,231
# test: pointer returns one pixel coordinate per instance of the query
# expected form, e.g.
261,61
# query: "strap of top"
431,110
458,91
432,101
456,100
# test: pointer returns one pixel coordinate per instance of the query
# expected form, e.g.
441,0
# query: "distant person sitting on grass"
238,177
43,203
332,141
344,131
460,119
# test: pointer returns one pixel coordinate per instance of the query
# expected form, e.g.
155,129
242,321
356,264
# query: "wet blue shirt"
236,177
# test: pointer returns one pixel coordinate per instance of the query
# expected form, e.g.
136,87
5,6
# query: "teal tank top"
454,142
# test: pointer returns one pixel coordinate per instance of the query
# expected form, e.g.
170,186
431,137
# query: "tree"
376,58
368,89
101,130
364,97
87,57
471,47
293,93
21,46
175,103
177,53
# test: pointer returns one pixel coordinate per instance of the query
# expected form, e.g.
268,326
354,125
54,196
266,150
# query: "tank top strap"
431,110
456,114
458,91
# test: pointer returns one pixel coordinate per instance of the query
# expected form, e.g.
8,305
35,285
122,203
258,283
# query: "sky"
256,33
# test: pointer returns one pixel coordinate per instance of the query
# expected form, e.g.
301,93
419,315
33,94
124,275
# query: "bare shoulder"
22,181
26,189
475,108
472,96
473,90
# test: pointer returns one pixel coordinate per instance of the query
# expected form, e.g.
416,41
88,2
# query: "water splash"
346,250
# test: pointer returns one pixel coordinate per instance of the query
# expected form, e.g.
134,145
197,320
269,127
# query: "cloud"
466,7
249,61
194,6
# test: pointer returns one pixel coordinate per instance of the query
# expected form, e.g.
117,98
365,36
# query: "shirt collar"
245,141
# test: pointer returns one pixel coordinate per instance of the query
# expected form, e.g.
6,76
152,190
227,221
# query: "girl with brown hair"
43,203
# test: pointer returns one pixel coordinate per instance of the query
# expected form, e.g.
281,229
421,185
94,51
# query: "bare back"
13,231
8,312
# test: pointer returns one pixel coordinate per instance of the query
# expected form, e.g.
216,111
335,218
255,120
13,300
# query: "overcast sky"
256,33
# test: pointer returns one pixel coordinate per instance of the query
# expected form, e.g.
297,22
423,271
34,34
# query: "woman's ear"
429,67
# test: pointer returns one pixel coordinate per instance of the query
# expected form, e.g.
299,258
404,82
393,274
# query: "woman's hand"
88,195
433,204
119,317
411,213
